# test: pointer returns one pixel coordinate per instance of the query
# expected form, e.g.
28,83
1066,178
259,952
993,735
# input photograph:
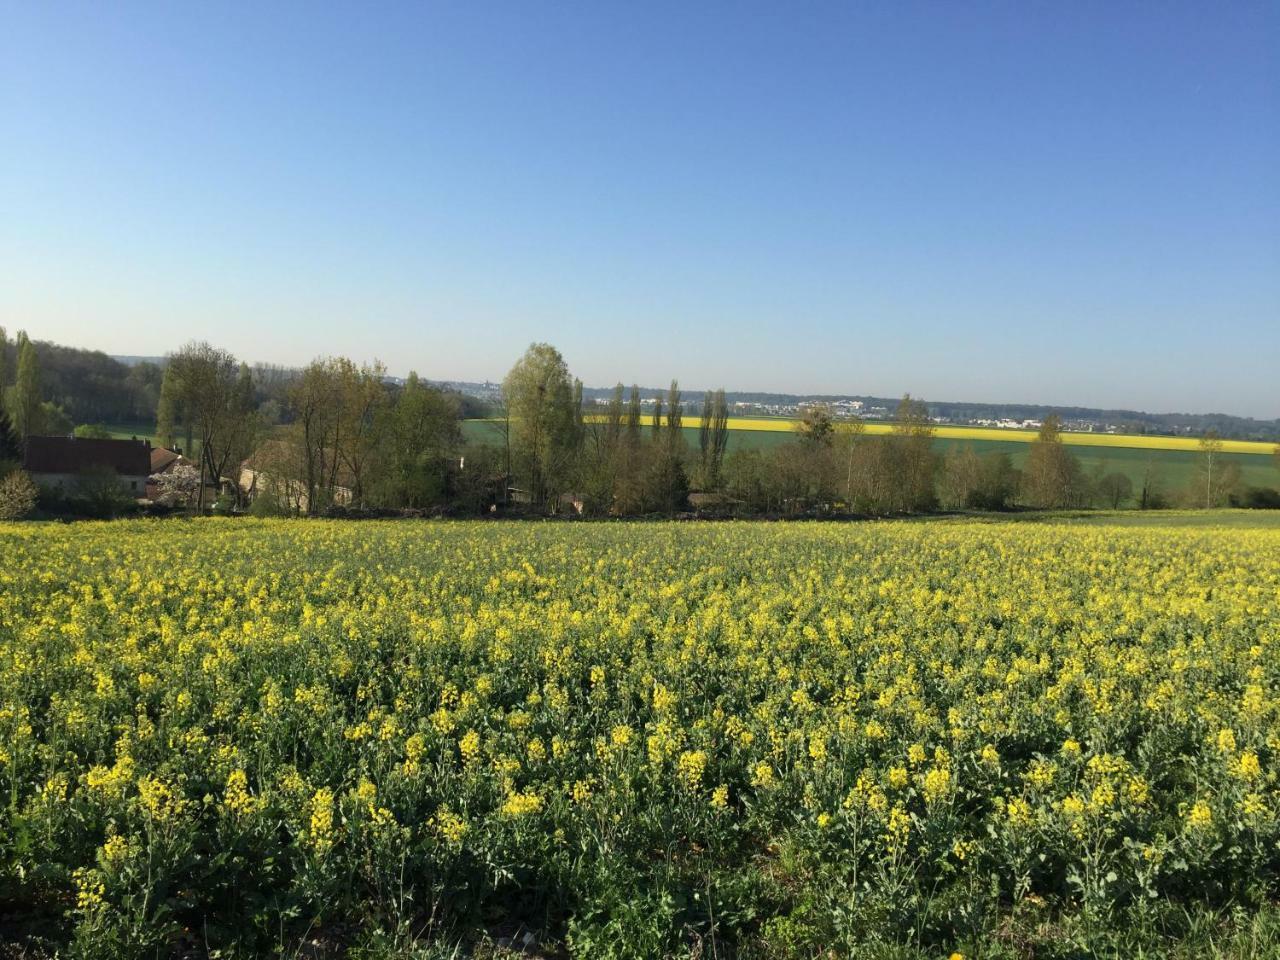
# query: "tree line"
342,436
623,459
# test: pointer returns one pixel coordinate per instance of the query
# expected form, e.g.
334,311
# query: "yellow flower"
237,799
469,747
936,785
762,775
1248,767
1200,816
451,827
720,797
690,767
521,804
320,835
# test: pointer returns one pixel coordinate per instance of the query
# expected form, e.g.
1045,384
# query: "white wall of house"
134,485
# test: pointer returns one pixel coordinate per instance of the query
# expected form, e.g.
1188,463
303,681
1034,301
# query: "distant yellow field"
1133,441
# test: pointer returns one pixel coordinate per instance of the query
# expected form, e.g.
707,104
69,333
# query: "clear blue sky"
1071,203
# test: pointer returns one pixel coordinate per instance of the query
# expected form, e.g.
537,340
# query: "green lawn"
127,431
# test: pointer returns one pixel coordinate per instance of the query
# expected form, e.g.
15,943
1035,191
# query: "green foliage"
544,422
92,431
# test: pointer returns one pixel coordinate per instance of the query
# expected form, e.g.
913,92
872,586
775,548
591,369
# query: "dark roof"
74,454
162,459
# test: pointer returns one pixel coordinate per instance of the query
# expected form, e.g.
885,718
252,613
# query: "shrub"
17,495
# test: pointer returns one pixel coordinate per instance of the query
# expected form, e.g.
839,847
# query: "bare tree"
211,389
1210,457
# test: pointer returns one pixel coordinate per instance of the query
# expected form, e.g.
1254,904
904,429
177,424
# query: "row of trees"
349,435
341,434
608,462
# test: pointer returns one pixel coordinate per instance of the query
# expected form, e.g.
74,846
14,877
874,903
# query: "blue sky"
1063,203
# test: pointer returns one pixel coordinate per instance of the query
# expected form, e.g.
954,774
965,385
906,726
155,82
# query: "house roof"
74,454
162,459
283,458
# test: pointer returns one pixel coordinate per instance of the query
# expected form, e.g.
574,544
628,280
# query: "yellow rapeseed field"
1125,440
638,739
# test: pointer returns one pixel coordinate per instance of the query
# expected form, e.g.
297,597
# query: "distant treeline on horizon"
92,387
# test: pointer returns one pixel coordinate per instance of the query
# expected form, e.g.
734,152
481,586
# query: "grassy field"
1173,462
899,739
126,431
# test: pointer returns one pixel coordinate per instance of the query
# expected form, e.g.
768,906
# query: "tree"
675,419
209,388
418,436
816,427
713,439
849,433
10,443
92,431
1151,494
364,395
1052,478
25,401
539,399
1115,489
1210,459
18,495
166,410
179,485
633,417
315,399
4,364
912,456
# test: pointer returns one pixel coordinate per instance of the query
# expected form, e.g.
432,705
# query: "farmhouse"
64,462
275,470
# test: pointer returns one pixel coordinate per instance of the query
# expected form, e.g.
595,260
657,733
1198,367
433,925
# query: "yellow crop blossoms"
632,723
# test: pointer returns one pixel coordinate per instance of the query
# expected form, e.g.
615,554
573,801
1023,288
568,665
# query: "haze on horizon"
1074,205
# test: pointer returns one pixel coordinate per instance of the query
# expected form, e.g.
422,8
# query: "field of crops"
899,739
1172,460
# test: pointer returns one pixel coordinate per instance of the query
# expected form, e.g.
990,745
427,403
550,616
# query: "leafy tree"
1115,489
816,426
54,420
675,420
539,400
92,431
167,410
419,435
25,399
1052,478
713,439
10,442
633,416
